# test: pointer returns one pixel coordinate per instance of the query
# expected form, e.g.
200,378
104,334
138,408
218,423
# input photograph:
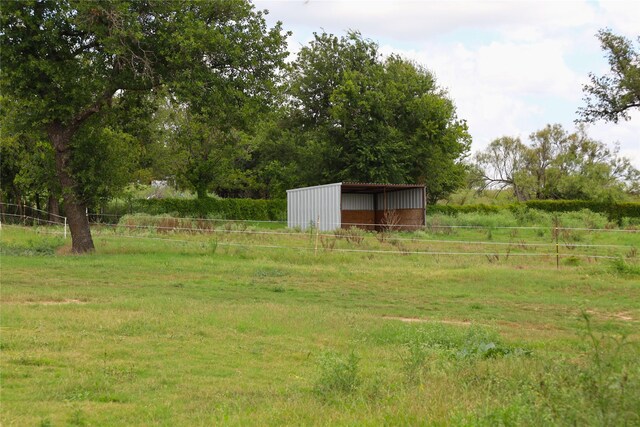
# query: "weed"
213,246
338,374
572,261
415,358
608,380
492,258
620,266
328,243
483,343
351,235
390,220
77,418
489,233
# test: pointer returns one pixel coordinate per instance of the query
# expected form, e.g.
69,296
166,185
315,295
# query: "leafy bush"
455,343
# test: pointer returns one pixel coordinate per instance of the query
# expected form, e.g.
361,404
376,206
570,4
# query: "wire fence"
246,234
429,225
494,242
24,213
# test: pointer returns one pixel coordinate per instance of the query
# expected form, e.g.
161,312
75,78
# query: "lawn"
177,328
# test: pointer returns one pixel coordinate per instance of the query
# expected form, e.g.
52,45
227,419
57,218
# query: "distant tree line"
555,165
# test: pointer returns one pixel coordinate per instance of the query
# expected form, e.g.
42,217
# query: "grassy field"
239,327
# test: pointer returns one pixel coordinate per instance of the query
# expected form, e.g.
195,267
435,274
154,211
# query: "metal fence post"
317,234
556,223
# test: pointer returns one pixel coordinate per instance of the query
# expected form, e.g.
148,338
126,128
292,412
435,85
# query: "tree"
359,117
202,153
27,166
501,165
64,63
557,165
612,96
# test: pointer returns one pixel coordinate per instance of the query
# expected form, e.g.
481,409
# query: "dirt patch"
625,316
48,302
502,323
422,320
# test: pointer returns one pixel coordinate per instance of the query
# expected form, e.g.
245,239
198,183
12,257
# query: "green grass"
189,330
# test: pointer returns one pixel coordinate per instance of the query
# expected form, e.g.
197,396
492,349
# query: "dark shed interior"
382,206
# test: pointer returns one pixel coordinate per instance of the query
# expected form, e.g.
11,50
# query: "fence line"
389,226
338,225
335,235
372,251
33,218
344,250
23,207
338,236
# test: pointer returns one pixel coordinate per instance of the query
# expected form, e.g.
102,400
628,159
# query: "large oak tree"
64,62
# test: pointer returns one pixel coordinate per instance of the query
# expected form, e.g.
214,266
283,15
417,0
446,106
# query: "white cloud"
626,133
500,88
420,20
624,16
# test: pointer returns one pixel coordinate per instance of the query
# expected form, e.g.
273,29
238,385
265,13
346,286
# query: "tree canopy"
610,97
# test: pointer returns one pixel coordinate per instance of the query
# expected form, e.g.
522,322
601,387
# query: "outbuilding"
349,204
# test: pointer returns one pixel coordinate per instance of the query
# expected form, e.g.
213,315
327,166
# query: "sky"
510,67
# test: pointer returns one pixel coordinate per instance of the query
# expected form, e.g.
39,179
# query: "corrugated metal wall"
357,202
304,205
405,199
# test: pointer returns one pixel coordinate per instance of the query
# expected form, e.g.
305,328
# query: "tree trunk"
2,207
81,241
53,207
201,191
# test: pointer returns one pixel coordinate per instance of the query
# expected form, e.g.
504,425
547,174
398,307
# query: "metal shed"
347,204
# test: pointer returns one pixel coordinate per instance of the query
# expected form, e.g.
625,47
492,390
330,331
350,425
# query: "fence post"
317,234
557,251
65,228
557,232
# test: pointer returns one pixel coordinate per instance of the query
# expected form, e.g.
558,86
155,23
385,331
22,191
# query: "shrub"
242,209
613,211
338,374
